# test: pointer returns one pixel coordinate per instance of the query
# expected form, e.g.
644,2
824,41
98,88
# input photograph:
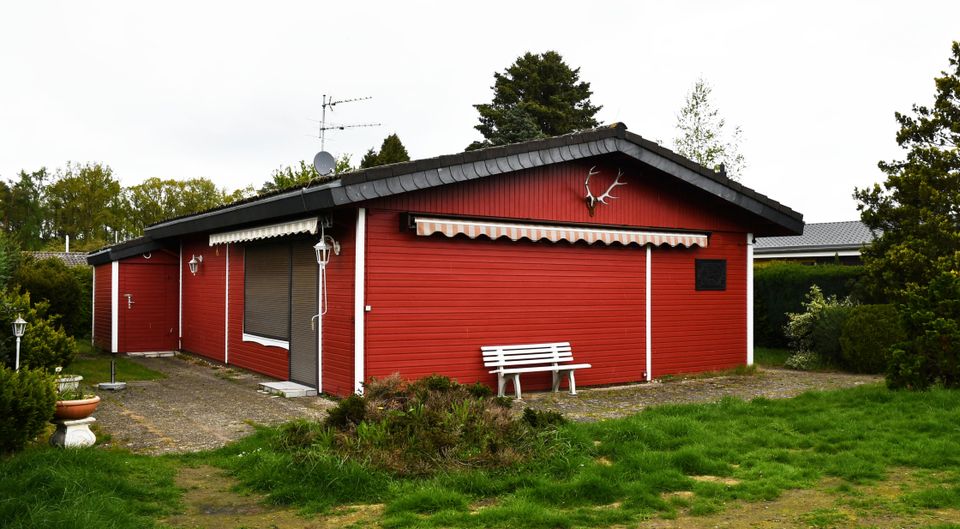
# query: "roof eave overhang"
116,253
392,180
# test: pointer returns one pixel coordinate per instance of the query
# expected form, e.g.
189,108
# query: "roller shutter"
266,307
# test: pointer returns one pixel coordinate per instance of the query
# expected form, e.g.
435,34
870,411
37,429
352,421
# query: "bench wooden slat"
524,346
542,369
531,351
530,357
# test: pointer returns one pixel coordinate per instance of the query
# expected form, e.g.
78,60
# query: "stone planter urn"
76,409
68,383
72,418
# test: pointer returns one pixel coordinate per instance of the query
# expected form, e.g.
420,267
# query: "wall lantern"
194,263
19,326
323,248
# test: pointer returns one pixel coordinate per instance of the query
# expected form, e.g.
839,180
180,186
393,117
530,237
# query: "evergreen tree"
369,159
916,261
916,208
538,95
703,136
391,151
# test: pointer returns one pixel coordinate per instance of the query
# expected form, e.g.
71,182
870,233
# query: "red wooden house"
439,257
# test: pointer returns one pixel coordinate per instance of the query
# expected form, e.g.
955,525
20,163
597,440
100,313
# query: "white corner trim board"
226,309
180,301
263,340
359,278
749,299
648,316
114,306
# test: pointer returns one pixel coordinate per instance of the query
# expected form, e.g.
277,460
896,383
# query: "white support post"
649,316
359,300
114,306
226,309
180,302
749,299
320,274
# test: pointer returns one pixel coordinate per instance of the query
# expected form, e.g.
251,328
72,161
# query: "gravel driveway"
608,403
198,406
201,405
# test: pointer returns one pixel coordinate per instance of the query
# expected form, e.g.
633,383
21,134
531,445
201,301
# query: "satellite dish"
324,163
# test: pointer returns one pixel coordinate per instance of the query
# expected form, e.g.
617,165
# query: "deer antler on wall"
591,200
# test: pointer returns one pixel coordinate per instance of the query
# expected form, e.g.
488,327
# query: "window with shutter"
266,290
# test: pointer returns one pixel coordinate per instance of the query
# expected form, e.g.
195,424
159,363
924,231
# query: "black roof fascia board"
398,178
123,250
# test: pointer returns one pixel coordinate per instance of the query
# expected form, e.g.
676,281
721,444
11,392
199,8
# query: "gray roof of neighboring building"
69,258
823,236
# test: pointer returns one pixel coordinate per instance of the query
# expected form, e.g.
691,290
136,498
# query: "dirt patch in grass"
211,503
832,504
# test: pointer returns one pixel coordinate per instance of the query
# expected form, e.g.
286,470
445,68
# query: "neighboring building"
821,242
439,257
68,258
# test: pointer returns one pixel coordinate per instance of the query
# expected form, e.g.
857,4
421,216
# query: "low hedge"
27,401
868,334
780,288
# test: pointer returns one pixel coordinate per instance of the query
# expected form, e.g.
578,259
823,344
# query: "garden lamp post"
19,325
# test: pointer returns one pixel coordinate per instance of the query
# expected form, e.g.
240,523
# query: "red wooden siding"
338,321
103,310
436,300
555,193
149,323
203,300
272,361
698,331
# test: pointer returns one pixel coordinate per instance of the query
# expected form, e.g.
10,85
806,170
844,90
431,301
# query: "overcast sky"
226,90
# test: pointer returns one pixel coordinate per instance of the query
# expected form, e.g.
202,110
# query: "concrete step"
288,389
153,354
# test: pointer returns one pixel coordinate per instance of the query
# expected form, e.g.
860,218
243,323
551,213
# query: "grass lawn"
94,366
698,462
770,356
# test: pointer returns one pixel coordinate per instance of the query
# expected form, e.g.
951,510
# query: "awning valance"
515,231
266,232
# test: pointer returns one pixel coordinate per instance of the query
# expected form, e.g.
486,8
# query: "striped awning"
265,232
427,226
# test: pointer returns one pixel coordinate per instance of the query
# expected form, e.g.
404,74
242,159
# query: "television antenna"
324,162
324,126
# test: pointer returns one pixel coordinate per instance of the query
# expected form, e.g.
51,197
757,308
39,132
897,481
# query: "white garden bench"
511,361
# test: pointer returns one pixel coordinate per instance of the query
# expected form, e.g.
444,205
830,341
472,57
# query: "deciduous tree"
703,136
85,203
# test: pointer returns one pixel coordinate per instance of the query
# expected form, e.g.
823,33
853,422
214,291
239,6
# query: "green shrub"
348,412
802,327
827,330
45,344
27,401
931,352
67,290
867,337
543,419
780,288
803,361
421,427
